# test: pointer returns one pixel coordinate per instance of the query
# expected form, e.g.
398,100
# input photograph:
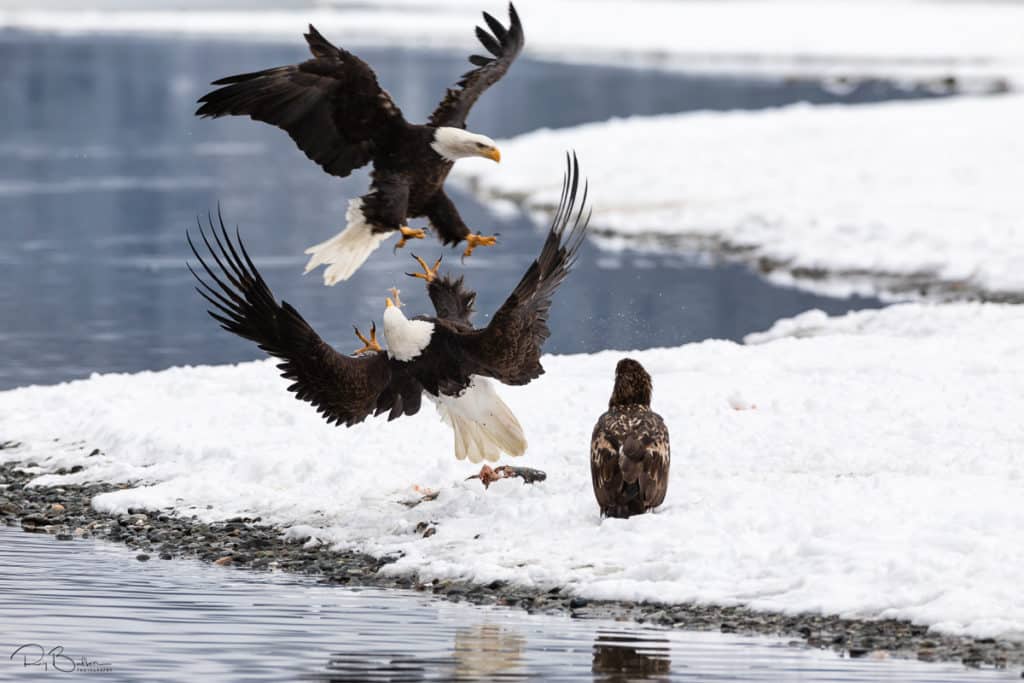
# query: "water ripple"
182,620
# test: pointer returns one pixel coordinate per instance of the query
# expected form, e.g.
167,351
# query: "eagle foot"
408,234
429,273
474,240
370,344
488,475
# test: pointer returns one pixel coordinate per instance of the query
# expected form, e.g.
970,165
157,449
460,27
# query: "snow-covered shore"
926,190
867,465
903,39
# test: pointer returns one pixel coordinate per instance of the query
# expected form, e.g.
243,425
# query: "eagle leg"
370,344
408,234
474,240
429,273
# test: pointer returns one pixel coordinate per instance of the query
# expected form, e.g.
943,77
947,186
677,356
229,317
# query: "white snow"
868,465
920,40
925,188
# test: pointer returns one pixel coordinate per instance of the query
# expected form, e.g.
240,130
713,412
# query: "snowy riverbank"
974,42
866,466
863,197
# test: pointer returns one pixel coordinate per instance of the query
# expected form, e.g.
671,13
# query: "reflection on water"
620,657
181,620
103,166
487,651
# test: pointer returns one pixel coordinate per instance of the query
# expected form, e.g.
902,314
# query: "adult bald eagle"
337,113
443,355
629,450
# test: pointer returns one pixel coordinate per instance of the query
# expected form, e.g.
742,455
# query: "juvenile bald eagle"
337,113
629,450
443,355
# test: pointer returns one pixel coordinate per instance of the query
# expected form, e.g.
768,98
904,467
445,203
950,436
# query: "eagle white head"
455,143
406,338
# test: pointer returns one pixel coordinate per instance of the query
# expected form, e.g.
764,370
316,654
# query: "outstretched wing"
342,388
332,105
505,45
508,349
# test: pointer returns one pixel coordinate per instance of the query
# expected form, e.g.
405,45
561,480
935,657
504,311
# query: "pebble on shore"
246,543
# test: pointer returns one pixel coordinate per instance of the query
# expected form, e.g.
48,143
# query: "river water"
117,619
103,167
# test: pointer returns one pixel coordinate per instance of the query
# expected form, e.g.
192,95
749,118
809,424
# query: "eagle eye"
480,145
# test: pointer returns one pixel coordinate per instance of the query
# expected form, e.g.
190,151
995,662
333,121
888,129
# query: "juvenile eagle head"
632,385
455,143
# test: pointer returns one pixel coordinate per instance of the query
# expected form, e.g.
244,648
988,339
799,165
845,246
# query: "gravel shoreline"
246,543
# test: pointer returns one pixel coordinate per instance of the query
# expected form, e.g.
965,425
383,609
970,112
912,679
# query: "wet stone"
243,542
142,557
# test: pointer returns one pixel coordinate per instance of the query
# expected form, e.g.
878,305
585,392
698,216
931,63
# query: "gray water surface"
186,621
103,167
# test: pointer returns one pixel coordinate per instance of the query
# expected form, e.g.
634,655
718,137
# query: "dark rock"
142,557
245,543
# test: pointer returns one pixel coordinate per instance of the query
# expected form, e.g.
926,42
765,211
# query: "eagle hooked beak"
493,153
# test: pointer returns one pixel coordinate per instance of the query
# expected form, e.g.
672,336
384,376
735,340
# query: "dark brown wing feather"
342,388
604,468
332,105
452,301
629,461
656,460
505,45
509,348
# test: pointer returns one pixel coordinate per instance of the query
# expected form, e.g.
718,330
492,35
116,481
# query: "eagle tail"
349,249
483,424
631,459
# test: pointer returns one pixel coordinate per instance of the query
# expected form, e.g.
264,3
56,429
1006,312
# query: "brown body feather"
629,449
346,389
337,113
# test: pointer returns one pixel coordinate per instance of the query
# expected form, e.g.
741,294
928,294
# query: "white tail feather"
484,426
347,250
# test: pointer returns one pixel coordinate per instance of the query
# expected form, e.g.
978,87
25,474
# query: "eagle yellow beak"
388,303
494,154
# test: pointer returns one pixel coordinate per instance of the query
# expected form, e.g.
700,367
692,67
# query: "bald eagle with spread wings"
337,113
443,355
629,449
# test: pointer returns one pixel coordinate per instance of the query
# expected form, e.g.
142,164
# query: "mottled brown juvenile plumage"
335,110
629,449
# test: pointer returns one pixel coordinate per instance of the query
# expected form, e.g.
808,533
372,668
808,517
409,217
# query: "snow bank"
927,189
868,465
861,39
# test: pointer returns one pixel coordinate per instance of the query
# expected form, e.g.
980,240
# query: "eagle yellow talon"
409,234
473,241
429,273
370,344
